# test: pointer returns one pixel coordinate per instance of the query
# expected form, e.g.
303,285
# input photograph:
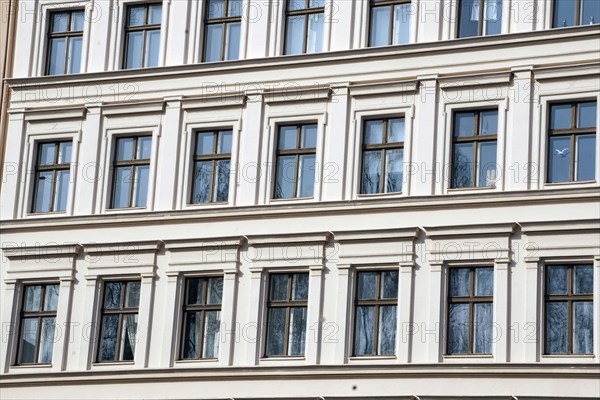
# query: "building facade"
324,199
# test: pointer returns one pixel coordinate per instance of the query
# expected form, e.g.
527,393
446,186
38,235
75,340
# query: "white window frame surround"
107,152
545,101
34,138
453,9
356,142
365,28
187,163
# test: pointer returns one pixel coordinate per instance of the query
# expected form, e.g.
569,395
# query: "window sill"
31,366
455,356
569,183
292,200
371,358
361,196
283,358
471,189
197,360
552,356
112,364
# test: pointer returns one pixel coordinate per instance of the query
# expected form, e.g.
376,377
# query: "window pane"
462,169
586,113
136,16
488,124
583,279
297,335
61,190
583,327
204,143
152,48
32,298
284,187
559,159
459,281
140,189
74,55
371,172
486,171
275,332
194,291
221,192
224,142
556,327
469,18
108,338
27,343
373,132
59,22
47,340
77,19
585,158
308,136
46,151
134,50
294,34
57,56
202,178
51,298
296,5
212,324
128,332
590,12
315,33
401,32
287,138
216,8
464,123
560,116
64,152
132,295
144,147
300,287
393,170
492,17
215,291
395,130
306,176
380,22
232,41
317,3
387,331
363,331
124,149
366,285
234,8
482,329
190,337
564,13
458,328
43,191
112,295
484,281
556,280
389,285
154,14
279,287
121,187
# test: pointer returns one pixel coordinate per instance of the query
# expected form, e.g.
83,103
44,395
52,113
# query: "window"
212,163
142,36
479,18
569,309
286,314
131,170
572,142
390,22
375,307
295,164
118,328
222,35
201,318
52,176
470,294
382,156
474,148
575,12
65,40
304,26
38,315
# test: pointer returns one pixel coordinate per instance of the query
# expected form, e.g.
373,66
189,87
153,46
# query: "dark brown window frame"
572,132
391,4
569,298
221,20
55,35
471,300
214,157
54,168
134,162
305,12
376,303
145,28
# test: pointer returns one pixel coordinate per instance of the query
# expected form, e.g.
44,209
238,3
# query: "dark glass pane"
212,324
484,281
585,157
221,192
559,158
61,190
121,188
134,50
389,285
462,168
299,286
74,55
287,137
387,331
560,116
215,291
380,22
194,291
124,149
46,153
583,327
297,335
459,281
144,147
564,13
77,19
152,48
224,146
464,124
469,18
583,279
64,152
492,15
393,170
112,294
395,132
366,285
279,287
458,328
29,327
108,338
276,332
33,299
314,42
191,330
556,327
140,188
294,34
51,298
43,191
284,185
202,179
488,122
128,334
306,176
59,22
136,16
308,139
204,143
154,14
401,33
47,340
317,3
296,4
586,112
373,132
371,172
482,329
234,8
364,325
56,56
486,170
556,279
590,12
132,294
216,9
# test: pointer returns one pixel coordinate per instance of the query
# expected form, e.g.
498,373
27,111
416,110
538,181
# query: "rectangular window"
222,34
382,156
201,318
295,163
479,18
286,314
470,320
52,176
474,148
375,308
572,142
304,26
212,164
569,309
38,315
131,168
142,35
575,12
118,326
390,22
65,41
